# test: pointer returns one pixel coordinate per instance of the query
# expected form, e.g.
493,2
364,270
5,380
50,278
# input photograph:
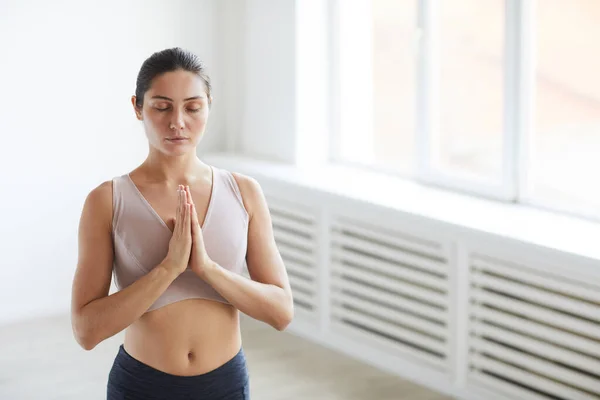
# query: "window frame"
517,101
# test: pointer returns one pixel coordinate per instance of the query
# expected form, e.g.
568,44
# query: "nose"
177,121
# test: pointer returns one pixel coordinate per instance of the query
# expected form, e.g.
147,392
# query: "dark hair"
166,61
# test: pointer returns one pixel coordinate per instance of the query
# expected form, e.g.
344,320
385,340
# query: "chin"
178,152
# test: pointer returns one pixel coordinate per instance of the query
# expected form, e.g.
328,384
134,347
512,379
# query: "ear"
138,112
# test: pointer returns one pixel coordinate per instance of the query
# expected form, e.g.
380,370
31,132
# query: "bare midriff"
186,338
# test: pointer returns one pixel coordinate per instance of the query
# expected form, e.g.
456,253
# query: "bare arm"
267,296
96,316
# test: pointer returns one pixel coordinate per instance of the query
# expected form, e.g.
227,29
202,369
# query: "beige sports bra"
141,237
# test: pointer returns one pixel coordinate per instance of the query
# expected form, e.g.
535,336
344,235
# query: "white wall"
269,90
230,51
67,71
275,58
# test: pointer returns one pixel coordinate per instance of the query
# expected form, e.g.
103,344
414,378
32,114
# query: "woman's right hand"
180,245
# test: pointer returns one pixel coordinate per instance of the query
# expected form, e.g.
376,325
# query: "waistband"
231,376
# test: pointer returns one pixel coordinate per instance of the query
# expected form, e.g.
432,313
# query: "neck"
184,169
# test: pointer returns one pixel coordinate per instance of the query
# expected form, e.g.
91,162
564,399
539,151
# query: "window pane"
469,137
565,148
394,83
377,83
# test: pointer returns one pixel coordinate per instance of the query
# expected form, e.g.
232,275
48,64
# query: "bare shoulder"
251,191
102,192
95,248
246,181
98,203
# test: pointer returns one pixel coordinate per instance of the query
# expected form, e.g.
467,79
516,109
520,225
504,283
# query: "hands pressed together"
186,247
267,298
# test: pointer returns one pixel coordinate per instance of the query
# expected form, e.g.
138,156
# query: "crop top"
141,238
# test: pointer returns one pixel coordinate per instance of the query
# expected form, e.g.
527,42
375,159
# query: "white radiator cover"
466,313
295,230
534,334
390,290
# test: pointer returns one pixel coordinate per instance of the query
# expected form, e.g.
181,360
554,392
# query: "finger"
190,200
178,203
189,195
181,211
192,219
177,212
195,224
188,220
184,212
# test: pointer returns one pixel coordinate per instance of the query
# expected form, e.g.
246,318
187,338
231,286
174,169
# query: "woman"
176,233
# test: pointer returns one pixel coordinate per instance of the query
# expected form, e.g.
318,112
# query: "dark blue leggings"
130,379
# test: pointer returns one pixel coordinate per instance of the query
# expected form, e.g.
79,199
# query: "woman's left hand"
199,259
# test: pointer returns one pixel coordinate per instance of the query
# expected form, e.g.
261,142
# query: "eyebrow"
188,99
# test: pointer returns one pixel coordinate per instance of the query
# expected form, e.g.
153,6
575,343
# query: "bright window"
497,98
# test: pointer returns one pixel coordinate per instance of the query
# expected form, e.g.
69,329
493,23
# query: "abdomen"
188,337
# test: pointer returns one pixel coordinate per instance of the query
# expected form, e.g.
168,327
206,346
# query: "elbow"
86,343
83,334
281,326
285,318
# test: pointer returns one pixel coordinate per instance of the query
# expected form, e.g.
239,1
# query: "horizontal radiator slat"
555,353
538,313
403,257
302,285
291,252
294,210
396,286
507,388
294,240
422,246
391,330
543,332
384,343
395,316
556,284
301,270
529,379
303,297
414,306
539,296
293,225
388,268
540,366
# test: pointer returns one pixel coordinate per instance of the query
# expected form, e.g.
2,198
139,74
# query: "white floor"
41,360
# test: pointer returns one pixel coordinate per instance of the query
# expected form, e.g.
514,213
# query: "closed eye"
194,110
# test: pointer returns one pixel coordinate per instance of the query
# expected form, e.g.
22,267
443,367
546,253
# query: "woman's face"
175,112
